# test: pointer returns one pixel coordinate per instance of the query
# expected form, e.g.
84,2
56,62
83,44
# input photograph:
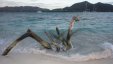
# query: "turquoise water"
93,33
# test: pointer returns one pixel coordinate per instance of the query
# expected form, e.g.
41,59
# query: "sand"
45,59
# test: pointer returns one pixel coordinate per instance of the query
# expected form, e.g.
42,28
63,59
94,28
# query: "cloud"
42,5
50,4
34,0
10,3
110,3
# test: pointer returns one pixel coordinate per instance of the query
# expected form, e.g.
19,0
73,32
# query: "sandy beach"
45,59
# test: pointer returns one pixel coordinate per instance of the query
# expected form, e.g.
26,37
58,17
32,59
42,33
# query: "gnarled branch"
31,34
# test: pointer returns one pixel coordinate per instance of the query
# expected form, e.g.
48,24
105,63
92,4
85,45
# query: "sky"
50,4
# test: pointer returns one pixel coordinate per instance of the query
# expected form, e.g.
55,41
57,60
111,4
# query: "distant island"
77,7
22,9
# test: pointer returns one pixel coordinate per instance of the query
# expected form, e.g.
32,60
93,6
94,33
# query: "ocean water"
93,38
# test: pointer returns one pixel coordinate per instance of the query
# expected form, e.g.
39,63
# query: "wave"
76,57
92,56
107,53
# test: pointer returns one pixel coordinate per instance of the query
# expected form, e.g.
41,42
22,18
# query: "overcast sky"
50,4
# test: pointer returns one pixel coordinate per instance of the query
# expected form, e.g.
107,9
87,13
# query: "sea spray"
108,45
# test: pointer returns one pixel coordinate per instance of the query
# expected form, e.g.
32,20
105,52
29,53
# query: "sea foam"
107,53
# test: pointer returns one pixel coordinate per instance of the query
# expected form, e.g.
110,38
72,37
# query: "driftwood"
57,40
29,33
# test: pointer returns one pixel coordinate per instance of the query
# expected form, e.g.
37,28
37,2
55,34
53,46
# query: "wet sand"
45,59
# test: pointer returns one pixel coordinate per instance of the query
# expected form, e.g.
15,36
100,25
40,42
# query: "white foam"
30,50
108,45
107,53
92,56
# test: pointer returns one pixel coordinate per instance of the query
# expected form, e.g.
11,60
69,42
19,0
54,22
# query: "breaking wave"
106,53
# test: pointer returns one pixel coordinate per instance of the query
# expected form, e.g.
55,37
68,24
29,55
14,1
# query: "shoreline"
46,59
